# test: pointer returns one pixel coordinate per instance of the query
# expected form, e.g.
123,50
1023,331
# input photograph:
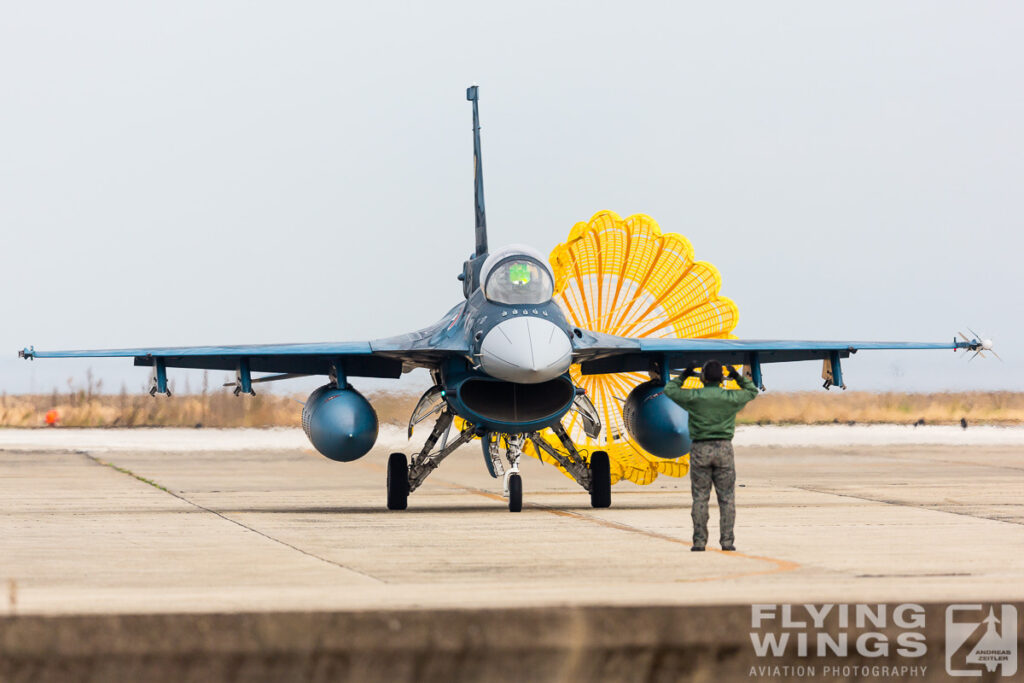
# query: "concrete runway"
288,530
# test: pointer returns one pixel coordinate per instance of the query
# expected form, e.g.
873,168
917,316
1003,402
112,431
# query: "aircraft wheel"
515,493
600,480
398,482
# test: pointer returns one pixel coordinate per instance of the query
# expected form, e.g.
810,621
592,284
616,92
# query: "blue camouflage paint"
319,349
340,423
656,422
755,369
560,394
837,369
160,376
602,353
244,376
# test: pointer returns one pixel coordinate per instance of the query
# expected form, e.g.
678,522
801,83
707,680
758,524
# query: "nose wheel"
515,492
514,482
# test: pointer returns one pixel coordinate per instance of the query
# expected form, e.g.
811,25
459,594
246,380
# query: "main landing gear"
600,480
595,477
398,482
403,478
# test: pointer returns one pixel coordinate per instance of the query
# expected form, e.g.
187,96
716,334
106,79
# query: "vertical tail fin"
478,176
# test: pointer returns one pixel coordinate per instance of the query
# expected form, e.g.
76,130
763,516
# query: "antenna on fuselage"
478,175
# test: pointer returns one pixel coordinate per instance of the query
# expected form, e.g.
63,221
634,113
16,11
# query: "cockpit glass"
519,281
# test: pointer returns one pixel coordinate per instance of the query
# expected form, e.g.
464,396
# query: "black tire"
398,482
600,480
515,493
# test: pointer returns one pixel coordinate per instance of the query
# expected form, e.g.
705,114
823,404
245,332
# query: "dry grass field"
212,409
218,408
807,407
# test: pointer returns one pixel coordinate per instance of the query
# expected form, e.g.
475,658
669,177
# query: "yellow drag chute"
624,276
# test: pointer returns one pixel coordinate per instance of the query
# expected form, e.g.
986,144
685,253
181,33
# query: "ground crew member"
712,412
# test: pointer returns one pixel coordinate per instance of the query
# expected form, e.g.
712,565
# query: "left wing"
602,353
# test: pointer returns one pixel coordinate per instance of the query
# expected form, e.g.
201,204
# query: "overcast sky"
245,172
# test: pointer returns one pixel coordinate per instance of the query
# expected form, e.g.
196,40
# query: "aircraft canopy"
517,274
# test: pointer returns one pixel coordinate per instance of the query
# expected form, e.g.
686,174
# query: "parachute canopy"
624,276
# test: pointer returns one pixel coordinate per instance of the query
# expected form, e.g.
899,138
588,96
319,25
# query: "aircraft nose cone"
525,350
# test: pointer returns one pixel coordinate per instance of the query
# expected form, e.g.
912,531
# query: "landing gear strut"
510,446
426,462
514,482
403,479
595,477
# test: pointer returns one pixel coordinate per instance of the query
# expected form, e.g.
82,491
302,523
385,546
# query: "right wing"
306,359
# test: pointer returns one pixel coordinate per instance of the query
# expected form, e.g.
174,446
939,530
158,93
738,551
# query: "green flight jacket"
712,409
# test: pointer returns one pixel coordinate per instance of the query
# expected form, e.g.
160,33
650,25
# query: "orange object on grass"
52,418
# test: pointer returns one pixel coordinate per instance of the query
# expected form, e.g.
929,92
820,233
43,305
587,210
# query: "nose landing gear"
514,482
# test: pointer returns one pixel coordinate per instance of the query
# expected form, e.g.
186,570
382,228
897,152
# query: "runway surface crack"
254,530
930,508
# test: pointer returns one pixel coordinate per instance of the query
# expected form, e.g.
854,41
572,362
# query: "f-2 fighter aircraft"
500,362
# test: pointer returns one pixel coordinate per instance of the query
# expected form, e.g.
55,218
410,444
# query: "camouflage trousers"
712,462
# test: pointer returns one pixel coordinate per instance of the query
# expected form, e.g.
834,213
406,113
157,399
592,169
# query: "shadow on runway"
497,508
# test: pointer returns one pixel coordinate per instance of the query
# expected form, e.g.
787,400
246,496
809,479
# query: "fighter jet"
499,361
